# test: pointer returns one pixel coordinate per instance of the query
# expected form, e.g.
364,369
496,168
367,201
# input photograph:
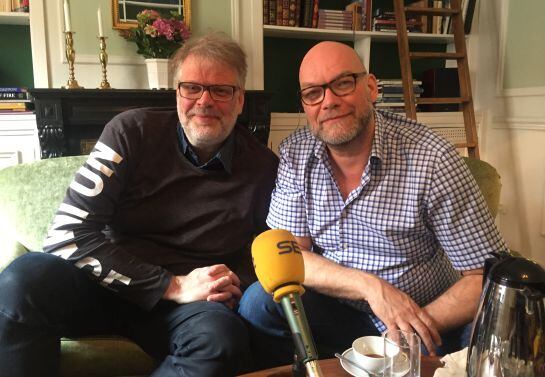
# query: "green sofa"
29,196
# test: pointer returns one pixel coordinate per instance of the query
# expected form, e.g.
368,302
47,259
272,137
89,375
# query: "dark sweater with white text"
139,212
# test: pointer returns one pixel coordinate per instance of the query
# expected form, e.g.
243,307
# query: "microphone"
280,268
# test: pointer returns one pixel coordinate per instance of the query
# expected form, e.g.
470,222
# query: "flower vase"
159,76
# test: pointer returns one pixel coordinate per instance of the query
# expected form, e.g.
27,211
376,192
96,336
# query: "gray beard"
342,140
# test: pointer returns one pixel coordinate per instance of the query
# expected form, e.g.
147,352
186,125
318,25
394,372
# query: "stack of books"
15,100
386,21
390,95
334,19
361,14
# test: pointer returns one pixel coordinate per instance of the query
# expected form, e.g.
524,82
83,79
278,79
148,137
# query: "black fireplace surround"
70,121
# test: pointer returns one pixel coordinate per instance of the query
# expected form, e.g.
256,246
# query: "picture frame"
124,11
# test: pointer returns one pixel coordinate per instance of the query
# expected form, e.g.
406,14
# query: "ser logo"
287,247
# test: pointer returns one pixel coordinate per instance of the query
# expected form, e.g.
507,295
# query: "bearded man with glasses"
181,195
393,228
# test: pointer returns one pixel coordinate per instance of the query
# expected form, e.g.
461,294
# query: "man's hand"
392,306
214,283
398,311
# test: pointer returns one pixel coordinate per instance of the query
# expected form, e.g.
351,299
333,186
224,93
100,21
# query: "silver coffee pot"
508,337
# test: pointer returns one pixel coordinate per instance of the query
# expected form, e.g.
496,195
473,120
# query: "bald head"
327,60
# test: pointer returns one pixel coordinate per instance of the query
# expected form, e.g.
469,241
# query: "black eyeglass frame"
208,88
355,76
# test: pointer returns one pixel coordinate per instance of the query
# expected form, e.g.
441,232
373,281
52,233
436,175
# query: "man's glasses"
341,86
191,90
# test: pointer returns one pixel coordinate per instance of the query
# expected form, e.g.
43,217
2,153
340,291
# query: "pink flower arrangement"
156,36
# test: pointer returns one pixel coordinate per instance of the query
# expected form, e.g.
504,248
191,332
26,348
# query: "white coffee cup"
369,353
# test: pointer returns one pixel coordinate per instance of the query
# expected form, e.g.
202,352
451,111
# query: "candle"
99,15
67,16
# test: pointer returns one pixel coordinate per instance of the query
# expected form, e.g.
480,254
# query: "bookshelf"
285,46
275,52
14,18
348,35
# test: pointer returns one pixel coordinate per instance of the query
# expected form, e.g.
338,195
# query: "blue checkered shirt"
416,219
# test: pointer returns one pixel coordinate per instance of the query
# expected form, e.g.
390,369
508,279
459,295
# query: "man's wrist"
174,288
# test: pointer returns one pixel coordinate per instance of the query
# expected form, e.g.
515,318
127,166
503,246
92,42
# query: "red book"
315,11
266,15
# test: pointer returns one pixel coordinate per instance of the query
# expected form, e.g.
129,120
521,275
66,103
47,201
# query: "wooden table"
332,367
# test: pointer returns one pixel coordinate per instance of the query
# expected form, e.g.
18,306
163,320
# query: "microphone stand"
304,344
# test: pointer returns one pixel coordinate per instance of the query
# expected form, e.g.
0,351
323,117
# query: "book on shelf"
335,13
361,14
386,21
279,12
16,106
315,9
292,19
386,82
285,12
13,96
399,89
266,13
390,104
357,15
12,89
14,5
396,95
468,10
334,27
5,5
306,13
16,100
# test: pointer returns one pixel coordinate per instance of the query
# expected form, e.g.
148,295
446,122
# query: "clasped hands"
213,283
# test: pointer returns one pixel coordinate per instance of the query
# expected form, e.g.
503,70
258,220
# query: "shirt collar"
378,147
223,159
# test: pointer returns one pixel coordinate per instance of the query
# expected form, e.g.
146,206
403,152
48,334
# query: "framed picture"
124,11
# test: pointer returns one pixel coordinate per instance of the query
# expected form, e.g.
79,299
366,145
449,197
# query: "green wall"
524,58
16,57
206,14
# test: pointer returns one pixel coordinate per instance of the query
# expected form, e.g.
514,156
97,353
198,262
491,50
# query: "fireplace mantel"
70,121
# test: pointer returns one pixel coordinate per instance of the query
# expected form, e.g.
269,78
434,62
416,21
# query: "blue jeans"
44,298
334,327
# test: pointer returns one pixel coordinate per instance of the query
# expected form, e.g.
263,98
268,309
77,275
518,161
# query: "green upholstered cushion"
488,180
105,356
30,195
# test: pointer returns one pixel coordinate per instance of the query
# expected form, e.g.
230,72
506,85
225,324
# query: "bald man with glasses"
152,239
393,227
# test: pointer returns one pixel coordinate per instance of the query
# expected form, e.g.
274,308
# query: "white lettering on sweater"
96,269
56,235
74,215
103,152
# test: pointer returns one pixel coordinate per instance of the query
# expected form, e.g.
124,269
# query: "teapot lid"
517,272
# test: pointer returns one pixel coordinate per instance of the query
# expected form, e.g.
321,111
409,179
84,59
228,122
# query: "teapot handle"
495,257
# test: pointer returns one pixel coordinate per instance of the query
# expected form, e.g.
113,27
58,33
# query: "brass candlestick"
71,57
103,56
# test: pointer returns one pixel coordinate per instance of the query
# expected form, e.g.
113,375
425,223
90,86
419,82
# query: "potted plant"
157,38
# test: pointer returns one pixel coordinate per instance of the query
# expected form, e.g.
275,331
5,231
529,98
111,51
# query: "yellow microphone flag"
278,263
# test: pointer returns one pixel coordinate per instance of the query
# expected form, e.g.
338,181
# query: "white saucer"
349,354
